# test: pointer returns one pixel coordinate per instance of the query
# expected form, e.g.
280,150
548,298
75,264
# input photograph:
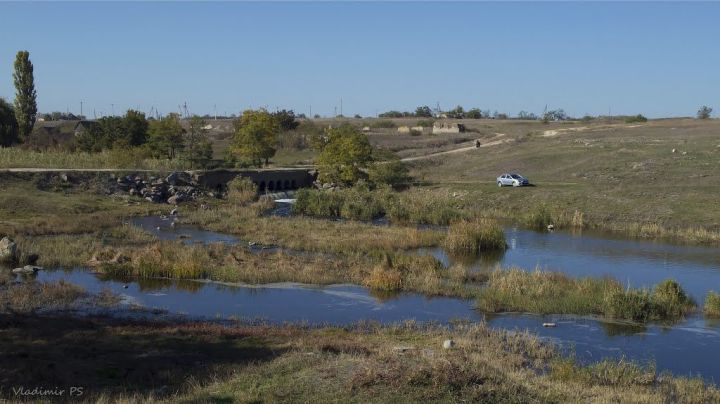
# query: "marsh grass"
242,191
552,292
29,297
712,305
472,237
362,203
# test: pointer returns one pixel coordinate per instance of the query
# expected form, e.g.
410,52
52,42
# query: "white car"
515,180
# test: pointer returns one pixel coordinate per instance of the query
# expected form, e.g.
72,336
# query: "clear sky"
659,59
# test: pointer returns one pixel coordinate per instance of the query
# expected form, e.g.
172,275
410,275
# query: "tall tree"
198,148
8,124
345,153
423,112
166,136
25,94
136,127
256,136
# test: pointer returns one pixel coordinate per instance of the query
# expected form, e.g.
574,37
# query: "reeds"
551,292
472,237
712,305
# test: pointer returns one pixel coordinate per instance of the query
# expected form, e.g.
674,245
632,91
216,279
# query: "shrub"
426,123
242,190
393,173
635,119
712,304
473,237
539,218
670,300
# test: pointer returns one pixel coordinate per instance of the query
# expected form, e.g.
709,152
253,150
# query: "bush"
242,190
712,304
635,119
539,218
426,123
393,173
473,237
670,300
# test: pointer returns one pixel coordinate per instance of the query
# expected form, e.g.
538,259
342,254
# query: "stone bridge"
279,179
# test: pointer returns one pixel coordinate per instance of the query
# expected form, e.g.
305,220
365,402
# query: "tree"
393,173
136,127
25,94
345,152
166,136
457,113
474,113
255,136
423,112
112,133
8,124
285,120
704,112
197,145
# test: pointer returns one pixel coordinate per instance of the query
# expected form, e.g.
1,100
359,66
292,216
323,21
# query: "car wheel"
499,184
516,184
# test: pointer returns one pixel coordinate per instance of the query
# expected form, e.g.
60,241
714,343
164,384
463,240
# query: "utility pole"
335,111
341,109
112,106
310,115
81,105
215,110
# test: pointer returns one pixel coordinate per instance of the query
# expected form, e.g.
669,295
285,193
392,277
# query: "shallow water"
688,348
635,263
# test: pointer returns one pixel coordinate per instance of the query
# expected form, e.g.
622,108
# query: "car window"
517,177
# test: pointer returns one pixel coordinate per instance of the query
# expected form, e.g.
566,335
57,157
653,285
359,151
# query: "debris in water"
550,325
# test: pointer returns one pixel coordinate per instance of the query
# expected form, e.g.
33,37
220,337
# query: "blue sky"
659,59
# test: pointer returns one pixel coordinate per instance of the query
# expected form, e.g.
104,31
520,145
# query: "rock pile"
176,188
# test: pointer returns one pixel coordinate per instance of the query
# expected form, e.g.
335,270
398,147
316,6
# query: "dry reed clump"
471,237
712,305
552,292
242,191
383,278
32,296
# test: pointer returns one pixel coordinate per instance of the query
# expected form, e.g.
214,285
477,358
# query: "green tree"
286,120
345,153
704,112
457,113
166,136
423,112
255,136
136,127
198,149
474,113
25,94
8,124
112,133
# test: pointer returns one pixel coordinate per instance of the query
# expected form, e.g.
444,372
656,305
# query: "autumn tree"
255,136
25,94
344,153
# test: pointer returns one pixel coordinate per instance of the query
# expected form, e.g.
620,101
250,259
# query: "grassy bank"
361,203
205,362
472,237
549,292
16,157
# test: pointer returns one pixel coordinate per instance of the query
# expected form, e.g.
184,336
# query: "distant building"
447,127
57,133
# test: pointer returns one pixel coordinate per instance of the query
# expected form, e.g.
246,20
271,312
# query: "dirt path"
462,149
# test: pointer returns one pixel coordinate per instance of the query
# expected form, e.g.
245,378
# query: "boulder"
27,269
179,178
177,198
8,250
448,343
